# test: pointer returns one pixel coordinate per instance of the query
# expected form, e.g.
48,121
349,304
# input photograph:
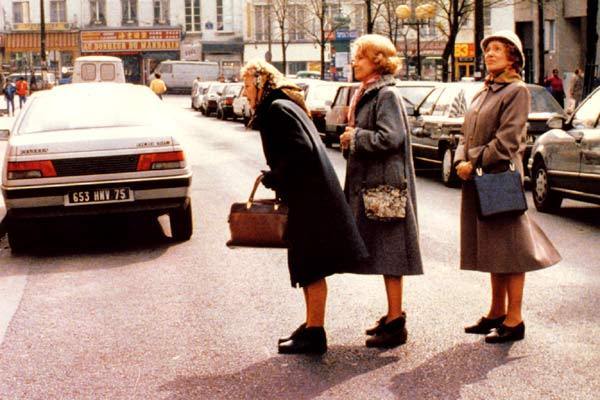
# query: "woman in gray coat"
494,132
377,145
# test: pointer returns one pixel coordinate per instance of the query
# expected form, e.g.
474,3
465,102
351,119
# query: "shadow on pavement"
586,215
443,376
282,377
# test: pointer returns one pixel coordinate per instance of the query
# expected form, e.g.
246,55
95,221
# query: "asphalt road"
114,309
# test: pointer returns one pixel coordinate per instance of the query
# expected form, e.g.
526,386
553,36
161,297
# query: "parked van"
179,75
98,69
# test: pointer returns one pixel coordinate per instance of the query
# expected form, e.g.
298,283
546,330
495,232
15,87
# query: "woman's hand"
346,138
464,170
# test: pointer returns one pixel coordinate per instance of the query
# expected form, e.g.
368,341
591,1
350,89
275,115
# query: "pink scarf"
364,85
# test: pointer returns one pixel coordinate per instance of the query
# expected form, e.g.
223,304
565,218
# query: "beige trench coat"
496,125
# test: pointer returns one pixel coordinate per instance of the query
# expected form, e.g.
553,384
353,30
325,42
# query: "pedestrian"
323,238
576,87
158,86
9,95
507,246
196,85
377,146
556,87
22,89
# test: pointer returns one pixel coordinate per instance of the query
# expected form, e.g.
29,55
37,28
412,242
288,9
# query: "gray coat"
380,154
495,125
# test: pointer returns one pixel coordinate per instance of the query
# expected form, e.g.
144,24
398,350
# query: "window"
262,21
58,11
296,21
161,12
21,12
549,32
107,72
219,15
224,15
487,16
88,72
192,16
98,12
129,12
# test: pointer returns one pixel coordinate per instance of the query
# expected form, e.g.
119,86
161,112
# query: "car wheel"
449,176
20,237
181,223
544,198
220,114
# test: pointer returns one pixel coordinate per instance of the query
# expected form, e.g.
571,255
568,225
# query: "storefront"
140,49
22,47
465,60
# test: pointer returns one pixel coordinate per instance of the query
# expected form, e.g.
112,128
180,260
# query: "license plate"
94,196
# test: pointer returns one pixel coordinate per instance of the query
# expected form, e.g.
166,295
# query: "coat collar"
385,80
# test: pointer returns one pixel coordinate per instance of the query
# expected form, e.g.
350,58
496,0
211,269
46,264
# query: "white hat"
508,36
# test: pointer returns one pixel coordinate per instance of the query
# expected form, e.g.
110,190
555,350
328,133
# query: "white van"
98,69
179,75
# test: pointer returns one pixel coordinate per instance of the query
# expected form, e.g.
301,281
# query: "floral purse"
385,202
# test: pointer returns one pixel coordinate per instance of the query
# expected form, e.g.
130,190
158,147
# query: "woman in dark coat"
377,144
506,247
323,238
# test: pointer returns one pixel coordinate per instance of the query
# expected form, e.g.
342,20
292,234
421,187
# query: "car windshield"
321,93
214,89
542,101
414,94
90,109
588,113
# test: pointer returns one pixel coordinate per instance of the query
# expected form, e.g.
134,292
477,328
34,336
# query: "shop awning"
31,41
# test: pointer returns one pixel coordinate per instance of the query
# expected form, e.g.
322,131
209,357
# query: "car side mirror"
556,121
4,134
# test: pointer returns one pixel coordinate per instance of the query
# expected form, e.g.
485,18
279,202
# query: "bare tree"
391,24
373,8
280,9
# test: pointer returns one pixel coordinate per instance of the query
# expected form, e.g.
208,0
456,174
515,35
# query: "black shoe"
392,334
504,334
293,335
377,328
485,325
311,340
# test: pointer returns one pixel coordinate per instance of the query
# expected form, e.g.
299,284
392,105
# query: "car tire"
544,199
220,114
20,237
448,172
181,223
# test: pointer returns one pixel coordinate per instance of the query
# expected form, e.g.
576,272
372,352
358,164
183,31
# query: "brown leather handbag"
258,223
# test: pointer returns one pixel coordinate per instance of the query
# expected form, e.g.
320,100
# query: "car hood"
114,140
540,116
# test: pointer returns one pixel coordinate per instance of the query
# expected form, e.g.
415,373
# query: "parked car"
98,69
336,118
198,95
438,120
209,101
308,75
225,103
565,161
179,75
319,96
241,108
39,83
91,150
413,92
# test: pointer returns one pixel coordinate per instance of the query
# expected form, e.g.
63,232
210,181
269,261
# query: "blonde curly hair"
380,50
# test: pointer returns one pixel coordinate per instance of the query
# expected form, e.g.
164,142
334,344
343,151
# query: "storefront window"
58,11
21,12
98,12
129,12
161,12
192,16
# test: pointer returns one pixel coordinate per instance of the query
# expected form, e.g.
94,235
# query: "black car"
231,91
438,120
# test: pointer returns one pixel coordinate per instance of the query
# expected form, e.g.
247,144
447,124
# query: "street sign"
346,34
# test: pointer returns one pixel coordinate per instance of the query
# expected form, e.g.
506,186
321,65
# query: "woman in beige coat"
507,247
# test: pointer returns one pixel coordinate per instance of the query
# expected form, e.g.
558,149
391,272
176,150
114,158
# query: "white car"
241,108
94,149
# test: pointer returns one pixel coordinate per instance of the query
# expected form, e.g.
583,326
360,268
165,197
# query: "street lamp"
416,16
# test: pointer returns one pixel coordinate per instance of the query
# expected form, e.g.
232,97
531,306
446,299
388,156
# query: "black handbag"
258,223
499,194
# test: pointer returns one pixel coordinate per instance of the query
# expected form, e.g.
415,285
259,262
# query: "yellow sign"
463,50
49,26
130,40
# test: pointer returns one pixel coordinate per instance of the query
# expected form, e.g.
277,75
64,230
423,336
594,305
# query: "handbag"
499,194
385,202
258,223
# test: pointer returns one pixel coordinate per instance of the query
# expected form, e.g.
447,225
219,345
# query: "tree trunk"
322,44
541,44
453,33
369,16
479,27
283,50
591,43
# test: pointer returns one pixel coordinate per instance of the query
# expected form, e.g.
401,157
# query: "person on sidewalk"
158,86
9,95
506,247
576,88
22,89
556,87
323,238
377,146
